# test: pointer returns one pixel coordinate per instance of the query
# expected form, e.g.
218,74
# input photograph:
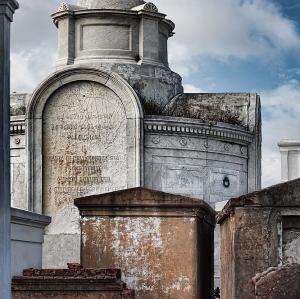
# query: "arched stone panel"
84,138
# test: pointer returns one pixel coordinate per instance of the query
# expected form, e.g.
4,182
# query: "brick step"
73,282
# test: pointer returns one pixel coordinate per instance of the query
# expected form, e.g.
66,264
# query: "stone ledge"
180,125
73,271
144,202
281,195
28,218
73,280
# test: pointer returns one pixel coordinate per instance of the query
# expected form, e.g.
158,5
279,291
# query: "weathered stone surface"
186,157
258,231
278,283
84,133
130,43
231,108
193,158
291,239
18,103
74,282
162,242
84,138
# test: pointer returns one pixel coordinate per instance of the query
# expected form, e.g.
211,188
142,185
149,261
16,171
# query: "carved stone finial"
63,6
149,6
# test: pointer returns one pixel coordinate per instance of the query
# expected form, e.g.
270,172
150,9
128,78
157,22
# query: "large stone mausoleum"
113,116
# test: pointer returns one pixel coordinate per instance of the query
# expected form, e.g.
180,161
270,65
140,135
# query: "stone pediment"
140,198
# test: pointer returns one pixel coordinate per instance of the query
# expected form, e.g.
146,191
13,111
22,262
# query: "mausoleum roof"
231,108
110,4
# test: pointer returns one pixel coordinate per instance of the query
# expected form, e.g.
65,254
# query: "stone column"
7,8
290,159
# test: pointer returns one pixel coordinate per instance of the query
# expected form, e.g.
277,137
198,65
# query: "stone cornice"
222,131
8,7
17,128
70,10
29,219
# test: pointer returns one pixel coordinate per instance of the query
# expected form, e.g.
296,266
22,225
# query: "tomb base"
74,282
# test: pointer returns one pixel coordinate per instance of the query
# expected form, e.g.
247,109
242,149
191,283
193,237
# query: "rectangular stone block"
163,243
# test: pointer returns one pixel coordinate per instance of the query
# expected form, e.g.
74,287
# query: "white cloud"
190,88
281,108
30,68
240,29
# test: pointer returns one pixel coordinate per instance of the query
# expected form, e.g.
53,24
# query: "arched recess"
34,121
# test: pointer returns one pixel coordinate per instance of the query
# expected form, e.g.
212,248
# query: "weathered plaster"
258,231
161,241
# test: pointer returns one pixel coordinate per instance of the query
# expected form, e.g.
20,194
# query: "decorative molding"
183,141
17,128
156,139
227,147
175,125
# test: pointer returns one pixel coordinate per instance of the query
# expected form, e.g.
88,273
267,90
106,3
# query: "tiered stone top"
110,4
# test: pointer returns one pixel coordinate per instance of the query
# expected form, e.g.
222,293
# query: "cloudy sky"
219,46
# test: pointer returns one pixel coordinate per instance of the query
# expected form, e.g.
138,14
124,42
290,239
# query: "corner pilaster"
7,8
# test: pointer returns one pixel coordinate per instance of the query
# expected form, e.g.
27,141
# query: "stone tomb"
162,242
89,145
258,231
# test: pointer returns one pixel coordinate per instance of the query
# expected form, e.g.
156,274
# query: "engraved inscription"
84,149
183,180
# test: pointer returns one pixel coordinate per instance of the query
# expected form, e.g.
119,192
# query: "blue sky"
219,46
254,73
